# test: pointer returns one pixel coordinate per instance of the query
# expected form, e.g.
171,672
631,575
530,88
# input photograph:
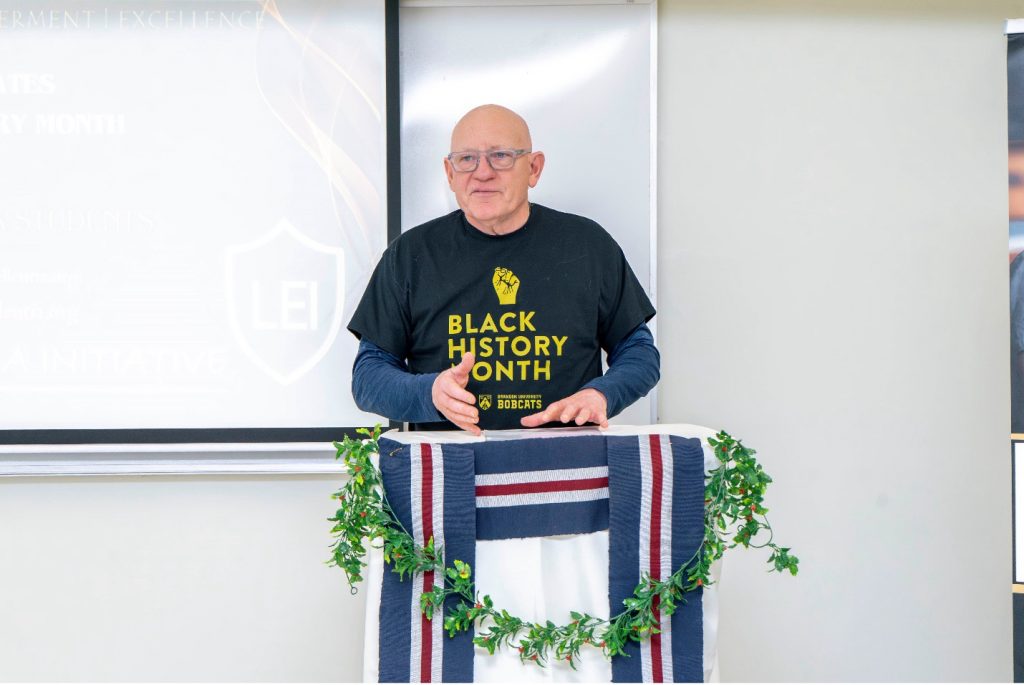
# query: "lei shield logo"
285,296
506,285
485,402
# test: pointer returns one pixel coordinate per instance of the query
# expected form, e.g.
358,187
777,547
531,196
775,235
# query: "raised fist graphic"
506,284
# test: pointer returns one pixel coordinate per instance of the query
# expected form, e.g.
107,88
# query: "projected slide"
193,200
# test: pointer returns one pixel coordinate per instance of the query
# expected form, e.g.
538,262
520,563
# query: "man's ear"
450,173
536,166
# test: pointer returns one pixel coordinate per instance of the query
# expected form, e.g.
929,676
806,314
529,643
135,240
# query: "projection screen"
194,198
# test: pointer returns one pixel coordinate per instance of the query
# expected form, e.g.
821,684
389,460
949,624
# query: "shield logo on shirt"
485,402
285,300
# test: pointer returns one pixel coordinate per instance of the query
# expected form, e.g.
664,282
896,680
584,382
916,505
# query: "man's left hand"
586,405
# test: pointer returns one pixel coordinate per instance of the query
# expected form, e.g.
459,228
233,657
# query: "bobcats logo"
485,402
506,285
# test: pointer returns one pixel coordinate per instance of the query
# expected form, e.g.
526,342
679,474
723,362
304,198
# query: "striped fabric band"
656,524
427,496
430,489
656,546
537,487
554,486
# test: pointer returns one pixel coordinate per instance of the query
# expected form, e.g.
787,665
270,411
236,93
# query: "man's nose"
484,169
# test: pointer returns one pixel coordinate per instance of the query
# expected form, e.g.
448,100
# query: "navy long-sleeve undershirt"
382,383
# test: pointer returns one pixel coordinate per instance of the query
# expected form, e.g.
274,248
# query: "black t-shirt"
536,307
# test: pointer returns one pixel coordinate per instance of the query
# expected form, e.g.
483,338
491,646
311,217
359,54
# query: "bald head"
498,126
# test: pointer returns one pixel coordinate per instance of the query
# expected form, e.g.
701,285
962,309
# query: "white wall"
173,579
833,289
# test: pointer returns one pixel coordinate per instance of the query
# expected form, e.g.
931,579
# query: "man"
494,316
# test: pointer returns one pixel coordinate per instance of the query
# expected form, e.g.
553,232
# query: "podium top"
685,430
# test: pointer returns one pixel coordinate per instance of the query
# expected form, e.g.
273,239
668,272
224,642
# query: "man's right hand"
451,398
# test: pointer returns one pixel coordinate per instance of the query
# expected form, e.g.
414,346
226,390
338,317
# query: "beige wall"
833,289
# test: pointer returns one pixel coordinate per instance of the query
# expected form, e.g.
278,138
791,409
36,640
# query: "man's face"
494,201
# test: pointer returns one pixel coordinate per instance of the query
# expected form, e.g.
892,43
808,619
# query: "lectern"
552,522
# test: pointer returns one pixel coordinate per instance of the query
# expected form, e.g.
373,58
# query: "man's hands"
458,405
586,405
451,398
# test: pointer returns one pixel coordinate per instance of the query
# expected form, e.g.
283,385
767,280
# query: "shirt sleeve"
383,315
382,384
634,367
623,303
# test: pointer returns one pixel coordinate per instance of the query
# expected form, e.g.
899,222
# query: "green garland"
733,515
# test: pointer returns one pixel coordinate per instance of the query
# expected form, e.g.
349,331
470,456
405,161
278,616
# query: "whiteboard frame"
655,415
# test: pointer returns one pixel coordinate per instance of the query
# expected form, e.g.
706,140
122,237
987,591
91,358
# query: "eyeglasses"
500,160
